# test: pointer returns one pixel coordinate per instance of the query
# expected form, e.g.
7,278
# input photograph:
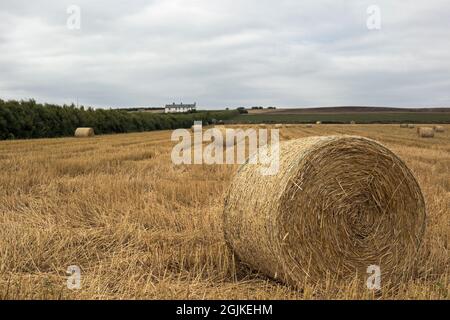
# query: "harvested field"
140,227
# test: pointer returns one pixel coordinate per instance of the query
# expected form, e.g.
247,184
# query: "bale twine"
404,125
425,132
337,205
84,132
438,128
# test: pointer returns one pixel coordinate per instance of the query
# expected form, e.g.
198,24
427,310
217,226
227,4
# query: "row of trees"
28,119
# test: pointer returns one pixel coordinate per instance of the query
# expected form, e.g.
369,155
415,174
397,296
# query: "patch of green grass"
375,117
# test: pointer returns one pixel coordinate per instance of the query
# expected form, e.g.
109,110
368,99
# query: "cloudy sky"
220,53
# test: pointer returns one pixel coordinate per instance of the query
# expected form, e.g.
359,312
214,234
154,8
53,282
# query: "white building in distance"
177,108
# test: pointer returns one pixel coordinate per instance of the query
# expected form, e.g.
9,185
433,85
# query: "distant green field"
369,117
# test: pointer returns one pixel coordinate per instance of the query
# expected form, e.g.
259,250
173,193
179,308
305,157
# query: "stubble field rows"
140,227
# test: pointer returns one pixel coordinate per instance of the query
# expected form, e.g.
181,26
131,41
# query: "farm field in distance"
344,117
141,227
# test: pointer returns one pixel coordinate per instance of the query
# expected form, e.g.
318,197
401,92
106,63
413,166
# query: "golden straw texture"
337,205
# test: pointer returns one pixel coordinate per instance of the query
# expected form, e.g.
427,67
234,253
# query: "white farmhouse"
176,108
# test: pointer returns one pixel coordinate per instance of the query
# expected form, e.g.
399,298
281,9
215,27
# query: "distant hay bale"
309,125
438,128
352,122
337,205
404,125
411,126
425,132
278,126
84,132
318,122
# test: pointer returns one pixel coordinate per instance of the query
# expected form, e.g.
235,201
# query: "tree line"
28,119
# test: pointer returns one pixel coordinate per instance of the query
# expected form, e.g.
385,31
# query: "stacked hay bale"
324,213
425,132
84,132
438,128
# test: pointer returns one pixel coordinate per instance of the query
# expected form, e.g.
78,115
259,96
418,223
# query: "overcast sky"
224,53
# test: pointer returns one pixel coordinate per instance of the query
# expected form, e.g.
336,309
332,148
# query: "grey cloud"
226,53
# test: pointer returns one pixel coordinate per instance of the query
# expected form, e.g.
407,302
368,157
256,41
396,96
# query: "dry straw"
84,132
337,205
438,128
425,132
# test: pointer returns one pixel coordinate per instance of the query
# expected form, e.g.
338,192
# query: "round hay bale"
425,132
411,126
438,128
318,122
337,205
404,125
84,132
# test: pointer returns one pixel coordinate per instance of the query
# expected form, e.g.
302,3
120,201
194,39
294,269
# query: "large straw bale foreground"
337,205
